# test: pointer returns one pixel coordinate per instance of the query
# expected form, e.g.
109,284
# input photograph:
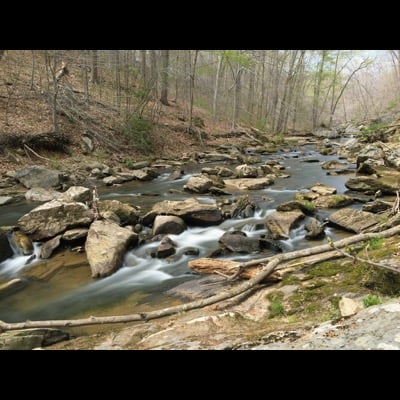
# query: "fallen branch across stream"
269,265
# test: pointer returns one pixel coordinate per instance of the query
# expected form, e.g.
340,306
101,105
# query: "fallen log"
227,268
269,264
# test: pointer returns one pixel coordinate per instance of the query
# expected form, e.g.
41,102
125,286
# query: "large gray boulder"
106,245
36,176
190,210
54,217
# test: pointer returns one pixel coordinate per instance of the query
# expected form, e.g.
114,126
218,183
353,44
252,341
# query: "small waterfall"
18,261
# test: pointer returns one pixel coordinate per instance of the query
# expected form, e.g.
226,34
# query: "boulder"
242,207
166,248
295,205
28,339
145,174
354,220
365,168
371,151
238,242
190,210
246,171
54,217
113,180
77,193
322,189
22,243
41,194
333,201
326,133
315,230
377,206
127,214
106,245
168,224
76,233
48,247
334,164
393,158
349,307
250,183
198,184
87,145
371,185
214,157
224,172
36,176
280,223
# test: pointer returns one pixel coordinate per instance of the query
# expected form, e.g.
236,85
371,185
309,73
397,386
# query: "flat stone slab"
354,220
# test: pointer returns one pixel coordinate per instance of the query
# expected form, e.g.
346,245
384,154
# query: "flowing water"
143,280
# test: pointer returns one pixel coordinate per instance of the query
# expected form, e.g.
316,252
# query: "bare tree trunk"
85,77
236,96
335,77
395,54
33,69
143,66
287,94
177,80
261,78
317,90
51,68
250,97
95,78
117,80
216,86
164,77
153,73
192,68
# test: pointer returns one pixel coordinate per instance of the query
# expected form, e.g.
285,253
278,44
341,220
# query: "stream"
142,282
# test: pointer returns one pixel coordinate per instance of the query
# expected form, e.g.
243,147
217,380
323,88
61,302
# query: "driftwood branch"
34,152
271,263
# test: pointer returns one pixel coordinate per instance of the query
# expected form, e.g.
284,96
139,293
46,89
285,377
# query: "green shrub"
276,308
375,243
137,132
371,300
